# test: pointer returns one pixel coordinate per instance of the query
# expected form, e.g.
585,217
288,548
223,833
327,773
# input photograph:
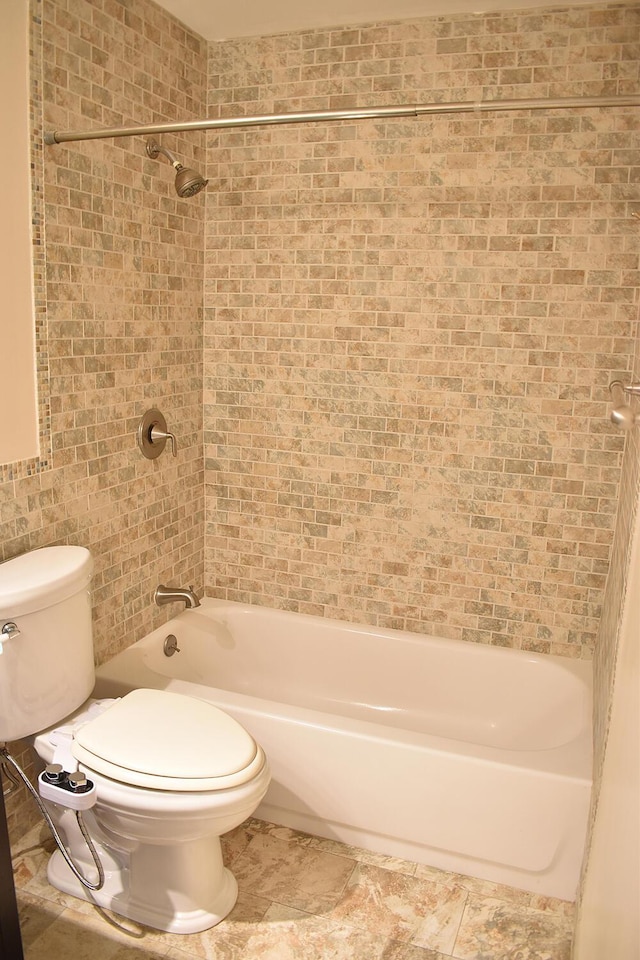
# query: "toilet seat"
167,741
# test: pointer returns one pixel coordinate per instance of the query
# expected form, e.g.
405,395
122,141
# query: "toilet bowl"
169,773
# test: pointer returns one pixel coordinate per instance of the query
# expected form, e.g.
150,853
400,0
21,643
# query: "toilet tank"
46,663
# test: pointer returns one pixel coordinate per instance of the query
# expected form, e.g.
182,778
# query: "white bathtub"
470,758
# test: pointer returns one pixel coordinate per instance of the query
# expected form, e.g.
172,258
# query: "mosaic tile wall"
123,262
617,587
410,325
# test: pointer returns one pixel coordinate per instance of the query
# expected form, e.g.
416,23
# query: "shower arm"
154,149
363,113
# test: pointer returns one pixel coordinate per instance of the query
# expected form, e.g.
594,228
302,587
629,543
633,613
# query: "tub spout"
171,594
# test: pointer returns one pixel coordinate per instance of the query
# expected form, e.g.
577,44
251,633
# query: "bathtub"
470,758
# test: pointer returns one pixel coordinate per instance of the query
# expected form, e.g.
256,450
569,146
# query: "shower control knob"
153,435
54,773
78,782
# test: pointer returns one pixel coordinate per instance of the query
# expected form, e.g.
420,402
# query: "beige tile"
282,933
69,937
36,916
228,938
136,953
294,875
402,908
236,841
396,950
496,930
497,891
300,937
364,856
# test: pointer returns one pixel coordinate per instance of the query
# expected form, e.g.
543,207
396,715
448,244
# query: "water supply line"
361,113
5,760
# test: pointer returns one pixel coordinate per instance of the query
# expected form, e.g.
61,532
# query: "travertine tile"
286,934
494,929
293,875
403,908
396,950
380,912
69,936
36,916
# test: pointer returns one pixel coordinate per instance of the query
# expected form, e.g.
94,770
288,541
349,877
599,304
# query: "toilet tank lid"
42,577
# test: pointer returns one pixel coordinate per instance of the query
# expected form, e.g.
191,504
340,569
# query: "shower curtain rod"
363,113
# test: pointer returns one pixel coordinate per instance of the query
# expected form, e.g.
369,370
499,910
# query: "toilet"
168,773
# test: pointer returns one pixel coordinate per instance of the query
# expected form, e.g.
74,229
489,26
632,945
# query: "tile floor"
304,898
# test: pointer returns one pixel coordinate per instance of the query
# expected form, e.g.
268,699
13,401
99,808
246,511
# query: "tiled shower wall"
123,258
410,325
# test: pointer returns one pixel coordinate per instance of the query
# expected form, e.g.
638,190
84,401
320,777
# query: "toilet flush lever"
153,435
9,631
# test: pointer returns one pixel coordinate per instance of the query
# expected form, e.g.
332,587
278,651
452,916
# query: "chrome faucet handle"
157,434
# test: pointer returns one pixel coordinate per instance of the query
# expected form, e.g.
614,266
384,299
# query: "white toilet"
171,773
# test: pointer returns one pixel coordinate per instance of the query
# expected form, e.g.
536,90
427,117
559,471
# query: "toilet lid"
169,742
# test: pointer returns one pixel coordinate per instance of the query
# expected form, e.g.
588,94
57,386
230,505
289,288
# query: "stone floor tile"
284,833
305,898
136,953
499,891
68,937
305,937
284,933
36,915
246,917
403,908
298,876
236,842
364,856
396,950
481,888
497,930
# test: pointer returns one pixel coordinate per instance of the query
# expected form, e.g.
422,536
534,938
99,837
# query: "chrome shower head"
188,181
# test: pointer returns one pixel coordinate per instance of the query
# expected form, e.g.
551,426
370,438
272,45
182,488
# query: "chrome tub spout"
172,594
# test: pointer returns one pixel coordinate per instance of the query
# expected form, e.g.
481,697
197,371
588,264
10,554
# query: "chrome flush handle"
9,631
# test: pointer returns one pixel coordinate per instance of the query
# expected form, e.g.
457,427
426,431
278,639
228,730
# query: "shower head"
188,182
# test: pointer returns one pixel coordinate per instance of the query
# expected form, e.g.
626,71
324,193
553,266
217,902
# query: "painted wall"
19,416
411,325
607,918
123,289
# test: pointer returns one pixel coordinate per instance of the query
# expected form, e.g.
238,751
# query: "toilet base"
159,910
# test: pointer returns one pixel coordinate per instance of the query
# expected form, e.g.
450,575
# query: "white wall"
18,398
609,922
